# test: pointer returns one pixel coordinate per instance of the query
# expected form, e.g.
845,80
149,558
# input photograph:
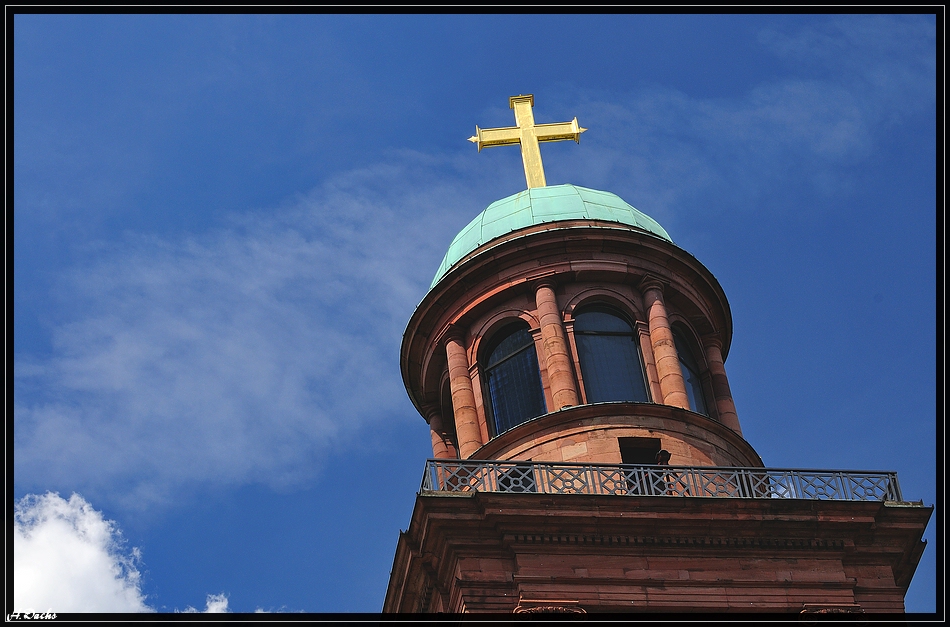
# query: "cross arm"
559,131
488,137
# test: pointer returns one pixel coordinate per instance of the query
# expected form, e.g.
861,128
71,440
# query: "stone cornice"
698,536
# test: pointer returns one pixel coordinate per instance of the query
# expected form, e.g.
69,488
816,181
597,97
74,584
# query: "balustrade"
649,480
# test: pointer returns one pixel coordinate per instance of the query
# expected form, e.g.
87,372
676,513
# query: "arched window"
512,378
690,368
609,352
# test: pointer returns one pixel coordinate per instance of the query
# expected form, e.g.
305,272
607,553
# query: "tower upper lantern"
566,305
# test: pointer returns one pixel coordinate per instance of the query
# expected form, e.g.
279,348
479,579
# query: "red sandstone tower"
587,454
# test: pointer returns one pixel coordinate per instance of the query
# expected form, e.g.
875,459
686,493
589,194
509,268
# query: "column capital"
711,340
547,281
454,332
433,415
651,282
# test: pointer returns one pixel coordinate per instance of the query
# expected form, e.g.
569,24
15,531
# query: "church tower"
569,359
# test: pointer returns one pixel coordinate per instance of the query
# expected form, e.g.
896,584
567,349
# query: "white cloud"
68,558
237,358
214,604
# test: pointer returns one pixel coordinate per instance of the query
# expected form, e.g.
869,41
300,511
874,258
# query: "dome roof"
539,205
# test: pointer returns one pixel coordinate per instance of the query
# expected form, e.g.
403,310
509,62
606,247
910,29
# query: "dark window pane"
682,349
514,381
610,357
601,322
694,390
694,385
510,345
611,368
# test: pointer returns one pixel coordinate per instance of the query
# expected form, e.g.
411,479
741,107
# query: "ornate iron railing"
445,475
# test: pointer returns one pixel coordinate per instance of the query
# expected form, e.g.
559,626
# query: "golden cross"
528,134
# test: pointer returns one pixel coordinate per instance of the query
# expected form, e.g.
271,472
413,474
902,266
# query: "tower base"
574,553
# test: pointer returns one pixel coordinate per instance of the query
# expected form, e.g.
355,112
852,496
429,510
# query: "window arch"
512,378
608,348
691,373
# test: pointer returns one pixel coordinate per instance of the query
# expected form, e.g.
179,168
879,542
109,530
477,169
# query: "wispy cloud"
852,83
239,356
236,358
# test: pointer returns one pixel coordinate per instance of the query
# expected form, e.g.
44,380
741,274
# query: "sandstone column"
440,448
664,350
717,369
557,358
463,396
646,347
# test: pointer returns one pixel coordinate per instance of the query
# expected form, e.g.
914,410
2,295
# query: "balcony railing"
446,475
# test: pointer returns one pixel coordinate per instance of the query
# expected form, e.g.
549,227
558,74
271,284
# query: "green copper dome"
539,205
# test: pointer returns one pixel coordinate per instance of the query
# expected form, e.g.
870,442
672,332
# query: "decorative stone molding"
549,609
809,608
730,543
547,606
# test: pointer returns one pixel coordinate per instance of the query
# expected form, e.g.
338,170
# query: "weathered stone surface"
485,552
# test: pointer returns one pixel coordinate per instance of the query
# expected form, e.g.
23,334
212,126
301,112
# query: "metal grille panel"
633,480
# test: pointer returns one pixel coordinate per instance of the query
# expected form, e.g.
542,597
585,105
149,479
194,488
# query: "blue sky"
223,223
